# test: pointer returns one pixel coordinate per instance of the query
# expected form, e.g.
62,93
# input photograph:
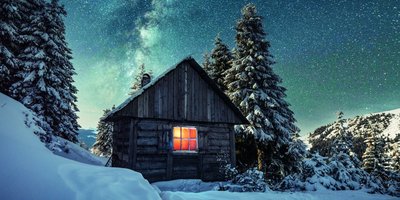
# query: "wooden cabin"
176,126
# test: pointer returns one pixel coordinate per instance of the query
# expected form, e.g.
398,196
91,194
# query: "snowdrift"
29,170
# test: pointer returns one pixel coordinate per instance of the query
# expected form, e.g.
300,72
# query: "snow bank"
31,171
75,152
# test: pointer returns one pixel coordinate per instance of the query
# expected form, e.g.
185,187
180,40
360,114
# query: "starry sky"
331,54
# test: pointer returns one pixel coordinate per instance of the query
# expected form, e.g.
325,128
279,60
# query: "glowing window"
185,139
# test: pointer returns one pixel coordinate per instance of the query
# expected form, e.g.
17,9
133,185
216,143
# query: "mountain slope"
29,170
385,124
87,136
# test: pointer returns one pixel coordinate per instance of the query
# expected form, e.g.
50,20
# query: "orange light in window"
185,145
177,132
177,144
193,144
185,139
193,133
185,133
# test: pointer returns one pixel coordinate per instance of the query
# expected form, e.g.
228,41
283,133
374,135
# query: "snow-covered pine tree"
386,159
373,158
46,72
343,142
296,153
206,62
137,82
395,163
221,60
103,144
10,20
61,56
254,88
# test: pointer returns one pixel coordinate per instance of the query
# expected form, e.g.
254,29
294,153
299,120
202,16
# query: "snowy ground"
29,170
328,195
197,190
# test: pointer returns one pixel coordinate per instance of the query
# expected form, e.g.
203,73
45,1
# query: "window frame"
196,150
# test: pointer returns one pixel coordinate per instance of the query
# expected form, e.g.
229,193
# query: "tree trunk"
260,158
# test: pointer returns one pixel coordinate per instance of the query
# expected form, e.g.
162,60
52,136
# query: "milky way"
331,55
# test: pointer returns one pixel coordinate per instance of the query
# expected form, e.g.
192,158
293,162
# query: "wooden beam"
232,146
132,149
170,164
186,93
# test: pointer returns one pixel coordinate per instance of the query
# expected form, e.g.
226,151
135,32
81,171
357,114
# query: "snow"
29,170
271,195
394,127
195,190
75,152
186,185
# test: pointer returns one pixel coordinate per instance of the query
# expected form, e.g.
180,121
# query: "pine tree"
296,153
343,141
10,20
61,56
206,62
373,158
103,144
221,60
395,163
45,84
137,82
386,159
254,88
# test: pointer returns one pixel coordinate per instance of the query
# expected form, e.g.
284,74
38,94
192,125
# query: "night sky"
331,54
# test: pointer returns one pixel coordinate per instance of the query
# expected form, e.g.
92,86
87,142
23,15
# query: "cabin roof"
201,72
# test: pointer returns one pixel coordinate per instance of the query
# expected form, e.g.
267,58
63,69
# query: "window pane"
185,132
177,144
177,132
185,145
193,133
193,144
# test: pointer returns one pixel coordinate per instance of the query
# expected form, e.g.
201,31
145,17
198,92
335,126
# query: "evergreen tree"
61,56
386,159
137,82
395,163
254,88
221,60
10,20
373,157
343,141
103,144
206,62
45,84
296,153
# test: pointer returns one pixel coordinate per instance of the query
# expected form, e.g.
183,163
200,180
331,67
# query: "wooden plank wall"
157,162
121,140
182,94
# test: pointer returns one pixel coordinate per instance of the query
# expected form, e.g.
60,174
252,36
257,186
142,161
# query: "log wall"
144,146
